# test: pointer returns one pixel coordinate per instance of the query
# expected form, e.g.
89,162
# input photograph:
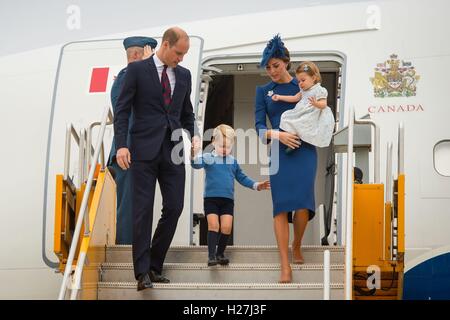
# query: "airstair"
94,267
252,274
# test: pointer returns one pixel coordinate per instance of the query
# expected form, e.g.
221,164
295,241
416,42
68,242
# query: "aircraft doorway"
230,100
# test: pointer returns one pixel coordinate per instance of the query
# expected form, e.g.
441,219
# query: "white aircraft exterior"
44,89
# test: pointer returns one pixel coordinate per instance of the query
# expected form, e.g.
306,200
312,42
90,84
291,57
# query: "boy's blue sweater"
220,174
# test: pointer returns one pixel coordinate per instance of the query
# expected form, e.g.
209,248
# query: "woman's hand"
289,139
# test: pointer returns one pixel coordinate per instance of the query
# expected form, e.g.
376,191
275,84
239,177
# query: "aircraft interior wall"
231,101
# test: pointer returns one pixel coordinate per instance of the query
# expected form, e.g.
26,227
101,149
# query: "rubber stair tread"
239,247
231,266
188,285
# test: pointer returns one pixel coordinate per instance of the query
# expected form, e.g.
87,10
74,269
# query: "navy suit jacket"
142,91
115,91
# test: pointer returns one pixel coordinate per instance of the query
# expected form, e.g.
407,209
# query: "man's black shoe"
222,260
156,277
144,282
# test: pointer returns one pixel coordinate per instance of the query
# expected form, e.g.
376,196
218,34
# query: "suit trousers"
149,253
124,224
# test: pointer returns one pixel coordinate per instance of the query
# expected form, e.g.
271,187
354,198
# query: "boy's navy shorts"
218,205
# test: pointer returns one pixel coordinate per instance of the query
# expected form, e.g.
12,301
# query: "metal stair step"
211,291
233,273
237,254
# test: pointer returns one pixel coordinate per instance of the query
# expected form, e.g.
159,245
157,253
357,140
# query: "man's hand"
148,51
123,158
195,146
264,185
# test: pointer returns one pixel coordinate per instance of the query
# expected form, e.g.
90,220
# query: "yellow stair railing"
78,245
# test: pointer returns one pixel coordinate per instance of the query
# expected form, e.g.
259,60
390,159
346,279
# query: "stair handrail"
400,171
82,152
349,207
326,274
376,146
81,140
110,120
389,198
83,207
389,172
70,132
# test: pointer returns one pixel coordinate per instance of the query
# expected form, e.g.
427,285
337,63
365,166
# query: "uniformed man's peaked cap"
139,42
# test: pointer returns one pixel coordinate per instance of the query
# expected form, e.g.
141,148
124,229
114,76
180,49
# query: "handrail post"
377,155
401,150
83,210
326,275
110,120
400,171
70,131
376,147
102,158
388,197
77,276
389,173
85,162
67,151
349,207
81,166
88,148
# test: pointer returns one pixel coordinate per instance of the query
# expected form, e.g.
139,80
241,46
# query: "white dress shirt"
170,72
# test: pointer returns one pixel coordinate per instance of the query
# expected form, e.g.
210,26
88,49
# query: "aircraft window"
442,158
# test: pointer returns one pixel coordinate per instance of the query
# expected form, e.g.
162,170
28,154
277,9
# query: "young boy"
221,169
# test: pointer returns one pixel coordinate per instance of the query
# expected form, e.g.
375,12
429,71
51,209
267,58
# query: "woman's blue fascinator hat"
274,49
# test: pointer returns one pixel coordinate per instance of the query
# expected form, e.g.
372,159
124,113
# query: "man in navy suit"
159,92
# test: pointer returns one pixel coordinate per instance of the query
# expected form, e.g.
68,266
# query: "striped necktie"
166,87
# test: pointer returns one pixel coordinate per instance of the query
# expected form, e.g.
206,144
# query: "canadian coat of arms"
394,78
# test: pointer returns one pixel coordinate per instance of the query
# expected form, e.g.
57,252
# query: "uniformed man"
137,48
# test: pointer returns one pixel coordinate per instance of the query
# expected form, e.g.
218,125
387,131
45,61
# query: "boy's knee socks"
212,243
223,241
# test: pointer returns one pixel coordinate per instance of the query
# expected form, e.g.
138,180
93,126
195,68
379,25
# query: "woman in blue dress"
292,173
